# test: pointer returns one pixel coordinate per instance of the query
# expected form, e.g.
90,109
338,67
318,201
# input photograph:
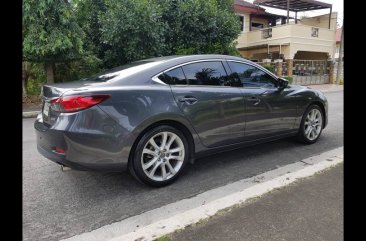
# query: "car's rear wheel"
311,125
160,156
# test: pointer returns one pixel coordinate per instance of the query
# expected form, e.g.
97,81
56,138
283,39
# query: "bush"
75,70
290,79
37,78
269,67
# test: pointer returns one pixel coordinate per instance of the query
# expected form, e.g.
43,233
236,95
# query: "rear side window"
206,73
173,77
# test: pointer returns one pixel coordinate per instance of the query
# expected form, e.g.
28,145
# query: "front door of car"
214,108
269,110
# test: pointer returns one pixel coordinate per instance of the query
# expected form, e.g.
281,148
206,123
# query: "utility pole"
340,56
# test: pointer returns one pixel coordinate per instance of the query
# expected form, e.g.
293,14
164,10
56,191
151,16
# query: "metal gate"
310,72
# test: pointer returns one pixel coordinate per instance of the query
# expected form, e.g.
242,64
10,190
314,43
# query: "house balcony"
297,37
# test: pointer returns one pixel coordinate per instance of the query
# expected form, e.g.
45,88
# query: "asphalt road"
59,204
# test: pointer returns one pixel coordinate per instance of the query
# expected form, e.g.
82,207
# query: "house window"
256,25
241,18
314,32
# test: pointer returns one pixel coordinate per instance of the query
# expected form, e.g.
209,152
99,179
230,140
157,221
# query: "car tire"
311,125
160,156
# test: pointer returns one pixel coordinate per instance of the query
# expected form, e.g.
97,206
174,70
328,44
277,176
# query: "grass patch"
166,237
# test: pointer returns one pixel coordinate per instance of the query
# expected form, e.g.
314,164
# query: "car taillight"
74,103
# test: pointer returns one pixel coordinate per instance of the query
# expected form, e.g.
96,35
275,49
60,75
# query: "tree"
132,30
50,33
135,30
200,26
88,16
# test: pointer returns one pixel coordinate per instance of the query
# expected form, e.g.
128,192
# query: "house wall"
298,36
336,51
262,51
310,55
297,47
246,21
321,21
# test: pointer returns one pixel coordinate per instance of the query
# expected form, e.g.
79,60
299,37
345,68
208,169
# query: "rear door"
269,110
203,92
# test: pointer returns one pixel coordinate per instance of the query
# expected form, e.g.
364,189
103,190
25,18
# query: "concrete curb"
155,223
30,114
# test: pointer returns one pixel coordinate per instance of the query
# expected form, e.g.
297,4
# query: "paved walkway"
311,209
327,87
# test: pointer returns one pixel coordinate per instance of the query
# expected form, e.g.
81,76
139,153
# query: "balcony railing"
286,34
266,33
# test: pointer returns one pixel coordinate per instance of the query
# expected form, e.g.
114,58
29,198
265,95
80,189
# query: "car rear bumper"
90,141
59,159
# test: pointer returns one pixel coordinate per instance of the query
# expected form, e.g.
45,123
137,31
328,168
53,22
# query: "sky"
337,7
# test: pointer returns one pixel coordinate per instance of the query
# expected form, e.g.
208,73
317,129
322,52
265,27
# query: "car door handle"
190,100
254,100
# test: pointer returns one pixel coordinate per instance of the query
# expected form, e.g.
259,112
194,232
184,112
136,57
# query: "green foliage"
133,30
289,78
50,31
269,67
88,15
215,48
147,28
84,37
87,66
37,77
200,26
163,238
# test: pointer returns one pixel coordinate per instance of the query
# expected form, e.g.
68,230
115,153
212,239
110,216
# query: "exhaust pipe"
65,168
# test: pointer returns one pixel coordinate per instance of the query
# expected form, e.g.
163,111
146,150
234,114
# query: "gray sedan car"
155,115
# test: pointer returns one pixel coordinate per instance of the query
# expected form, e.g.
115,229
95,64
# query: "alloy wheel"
313,124
162,156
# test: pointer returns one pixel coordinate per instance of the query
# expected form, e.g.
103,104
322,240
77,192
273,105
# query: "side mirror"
282,83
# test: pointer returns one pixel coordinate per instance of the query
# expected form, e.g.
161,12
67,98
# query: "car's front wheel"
311,125
160,156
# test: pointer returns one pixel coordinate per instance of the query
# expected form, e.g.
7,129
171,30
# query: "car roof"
143,76
192,57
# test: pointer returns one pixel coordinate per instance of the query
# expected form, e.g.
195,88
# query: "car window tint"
250,76
206,73
174,77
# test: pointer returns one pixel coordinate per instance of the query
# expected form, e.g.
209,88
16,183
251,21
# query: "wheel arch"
321,105
173,123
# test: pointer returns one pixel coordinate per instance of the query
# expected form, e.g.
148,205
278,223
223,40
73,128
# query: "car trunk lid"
53,91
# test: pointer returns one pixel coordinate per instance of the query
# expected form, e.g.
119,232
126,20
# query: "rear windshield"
122,71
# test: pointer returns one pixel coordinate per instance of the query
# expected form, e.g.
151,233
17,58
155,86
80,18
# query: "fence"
309,72
304,72
273,67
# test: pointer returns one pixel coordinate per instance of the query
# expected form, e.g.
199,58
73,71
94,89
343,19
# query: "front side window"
173,77
250,76
206,73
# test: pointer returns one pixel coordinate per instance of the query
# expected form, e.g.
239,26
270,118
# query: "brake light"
76,102
60,150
